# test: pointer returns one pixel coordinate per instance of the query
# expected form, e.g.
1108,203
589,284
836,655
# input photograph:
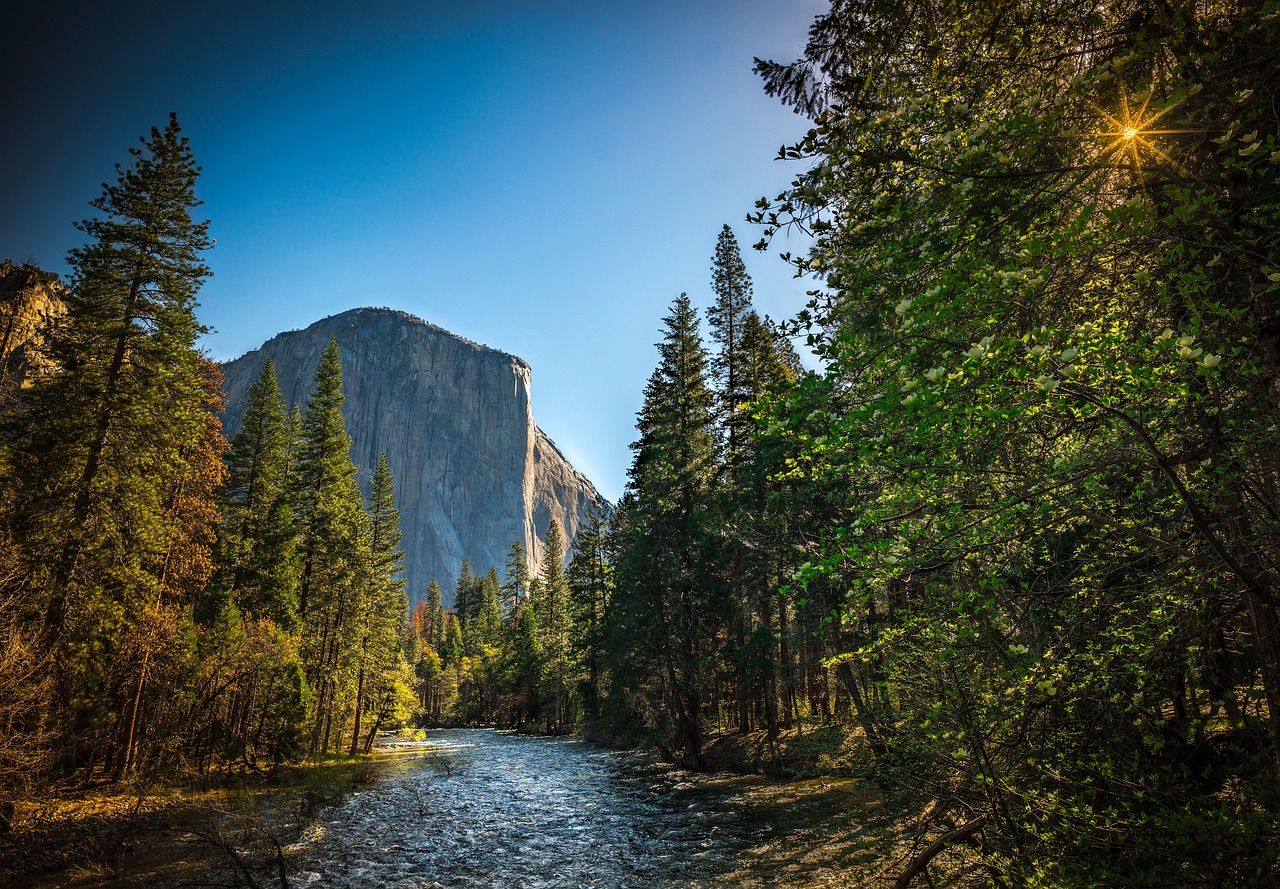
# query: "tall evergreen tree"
488,629
523,664
464,593
256,542
433,630
554,620
112,431
380,660
728,319
337,562
515,587
590,577
666,532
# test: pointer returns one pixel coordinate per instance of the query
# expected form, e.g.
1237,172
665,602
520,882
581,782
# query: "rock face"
473,472
27,297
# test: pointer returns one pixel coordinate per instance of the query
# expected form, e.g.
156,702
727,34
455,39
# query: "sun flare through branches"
1132,131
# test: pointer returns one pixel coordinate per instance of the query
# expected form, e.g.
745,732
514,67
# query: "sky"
541,177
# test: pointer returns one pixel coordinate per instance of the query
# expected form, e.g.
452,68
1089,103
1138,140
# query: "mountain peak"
473,472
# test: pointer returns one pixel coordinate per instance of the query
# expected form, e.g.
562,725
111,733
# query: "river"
476,808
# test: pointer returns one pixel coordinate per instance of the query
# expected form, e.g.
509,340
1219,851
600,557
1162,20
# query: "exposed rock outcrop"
28,296
473,471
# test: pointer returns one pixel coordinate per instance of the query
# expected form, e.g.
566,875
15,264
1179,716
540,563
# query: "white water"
473,808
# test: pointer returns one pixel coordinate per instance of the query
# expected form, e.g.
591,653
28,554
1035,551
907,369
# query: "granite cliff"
473,471
28,296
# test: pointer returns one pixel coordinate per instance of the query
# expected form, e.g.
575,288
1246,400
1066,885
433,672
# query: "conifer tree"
515,588
433,630
663,629
488,629
111,433
464,592
551,608
384,528
337,562
523,664
590,577
451,652
380,660
256,542
728,319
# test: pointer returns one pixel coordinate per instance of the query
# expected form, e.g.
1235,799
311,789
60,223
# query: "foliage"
1045,423
117,458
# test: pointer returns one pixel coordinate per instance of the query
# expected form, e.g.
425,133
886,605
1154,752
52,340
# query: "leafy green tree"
1046,411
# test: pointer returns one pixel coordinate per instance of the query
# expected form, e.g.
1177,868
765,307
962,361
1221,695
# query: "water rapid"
475,808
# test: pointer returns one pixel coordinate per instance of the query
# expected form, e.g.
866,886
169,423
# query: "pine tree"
256,543
523,664
323,467
433,632
551,608
451,651
590,576
337,561
488,629
113,430
666,532
380,661
384,528
464,593
515,588
729,317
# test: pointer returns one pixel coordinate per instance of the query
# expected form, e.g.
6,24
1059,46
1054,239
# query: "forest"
1013,533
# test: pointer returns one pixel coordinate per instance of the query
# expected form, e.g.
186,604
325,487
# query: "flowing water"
475,808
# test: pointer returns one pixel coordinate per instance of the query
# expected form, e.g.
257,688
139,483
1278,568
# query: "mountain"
27,297
473,471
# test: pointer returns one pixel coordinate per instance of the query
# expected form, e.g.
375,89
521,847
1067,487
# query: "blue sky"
541,177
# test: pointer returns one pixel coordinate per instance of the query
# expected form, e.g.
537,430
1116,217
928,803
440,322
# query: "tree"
554,622
380,662
660,572
256,543
590,577
338,569
112,431
433,629
515,587
464,603
1044,430
523,665
728,319
488,629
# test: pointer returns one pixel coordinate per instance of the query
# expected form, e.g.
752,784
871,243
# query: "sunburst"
1133,131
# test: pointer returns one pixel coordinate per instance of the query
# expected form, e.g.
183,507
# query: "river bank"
118,836
477,808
